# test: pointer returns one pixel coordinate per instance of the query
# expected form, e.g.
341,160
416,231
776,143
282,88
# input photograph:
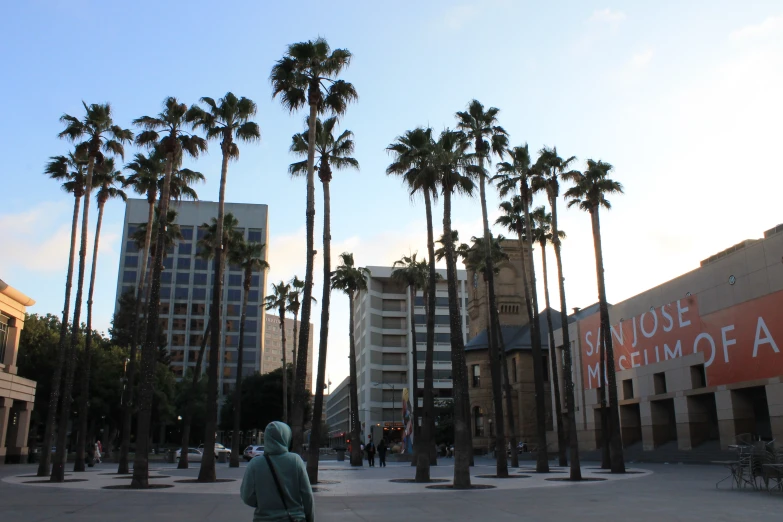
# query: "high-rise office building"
272,357
383,347
186,286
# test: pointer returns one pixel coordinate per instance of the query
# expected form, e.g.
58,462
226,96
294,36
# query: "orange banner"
739,343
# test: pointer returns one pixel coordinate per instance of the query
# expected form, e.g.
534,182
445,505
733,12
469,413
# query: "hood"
277,438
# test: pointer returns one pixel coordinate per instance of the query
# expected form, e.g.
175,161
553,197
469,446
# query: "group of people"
370,449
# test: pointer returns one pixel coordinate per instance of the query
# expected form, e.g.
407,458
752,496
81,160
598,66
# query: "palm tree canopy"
181,181
475,257
516,172
173,232
411,272
512,218
549,168
146,173
205,246
307,73
456,166
413,161
348,277
249,255
168,131
591,187
96,132
440,252
330,151
543,226
295,295
70,170
109,180
229,119
278,298
481,127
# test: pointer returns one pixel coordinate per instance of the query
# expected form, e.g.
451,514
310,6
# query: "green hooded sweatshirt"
258,485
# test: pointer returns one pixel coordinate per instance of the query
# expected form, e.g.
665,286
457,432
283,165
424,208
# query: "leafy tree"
589,194
517,172
168,133
307,74
95,134
262,401
351,279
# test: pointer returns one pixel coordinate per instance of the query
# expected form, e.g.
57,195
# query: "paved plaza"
656,492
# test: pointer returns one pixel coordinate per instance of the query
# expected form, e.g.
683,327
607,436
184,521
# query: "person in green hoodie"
258,486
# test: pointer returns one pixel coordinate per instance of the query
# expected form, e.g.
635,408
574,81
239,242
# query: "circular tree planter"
151,486
47,481
472,486
541,472
502,478
195,481
413,481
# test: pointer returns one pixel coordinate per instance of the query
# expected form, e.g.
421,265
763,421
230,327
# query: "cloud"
458,16
36,239
607,16
771,25
641,59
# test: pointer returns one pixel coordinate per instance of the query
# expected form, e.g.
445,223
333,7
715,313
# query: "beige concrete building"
272,349
17,395
517,341
698,358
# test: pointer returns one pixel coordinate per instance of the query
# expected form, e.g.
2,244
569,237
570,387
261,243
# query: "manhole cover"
496,477
472,486
47,481
151,486
413,481
195,481
584,479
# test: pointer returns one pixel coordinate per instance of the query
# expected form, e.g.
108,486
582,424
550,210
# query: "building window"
183,263
165,278
200,279
131,261
129,290
164,308
129,276
478,421
165,292
232,326
202,264
476,375
181,293
3,335
234,295
254,281
185,249
168,263
180,308
187,233
195,340
252,311
252,296
234,268
255,235
544,360
131,247
198,308
234,280
183,278
201,233
177,356
250,340
178,340
179,323
250,326
199,294
232,340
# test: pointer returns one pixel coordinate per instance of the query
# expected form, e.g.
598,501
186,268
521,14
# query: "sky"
682,98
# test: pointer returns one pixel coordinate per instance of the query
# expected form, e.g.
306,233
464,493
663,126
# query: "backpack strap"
279,488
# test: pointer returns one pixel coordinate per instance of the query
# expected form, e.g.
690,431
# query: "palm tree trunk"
81,438
509,398
54,396
127,414
293,356
428,418
58,469
420,447
235,449
149,349
281,313
561,442
188,417
615,440
300,393
314,449
207,470
356,430
459,368
542,460
494,354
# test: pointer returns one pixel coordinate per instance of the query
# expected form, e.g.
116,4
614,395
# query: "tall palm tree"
95,134
205,249
481,127
228,119
549,179
108,179
307,74
512,174
70,170
168,132
352,279
589,194
278,299
412,274
543,234
456,172
331,152
414,161
181,184
294,304
250,256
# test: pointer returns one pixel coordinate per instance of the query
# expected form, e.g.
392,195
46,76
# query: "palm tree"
456,172
413,160
70,170
548,179
107,178
205,249
352,279
250,256
482,129
230,121
307,74
513,173
94,133
543,234
589,194
331,152
168,133
278,300
294,304
181,181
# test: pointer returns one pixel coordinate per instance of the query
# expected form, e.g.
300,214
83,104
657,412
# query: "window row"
251,341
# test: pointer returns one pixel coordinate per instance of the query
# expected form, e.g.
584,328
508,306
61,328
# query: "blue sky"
682,98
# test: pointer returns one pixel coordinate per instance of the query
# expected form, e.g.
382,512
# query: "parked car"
219,448
253,451
194,455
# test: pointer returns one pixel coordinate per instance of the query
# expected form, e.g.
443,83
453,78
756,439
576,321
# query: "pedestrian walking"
382,453
370,449
277,485
97,453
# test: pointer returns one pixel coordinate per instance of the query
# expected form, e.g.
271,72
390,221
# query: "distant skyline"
682,98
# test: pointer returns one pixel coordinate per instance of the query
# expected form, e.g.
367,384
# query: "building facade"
384,364
338,414
17,395
698,358
272,356
186,287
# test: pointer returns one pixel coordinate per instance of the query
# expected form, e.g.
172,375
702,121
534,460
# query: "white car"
253,451
194,455
219,448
